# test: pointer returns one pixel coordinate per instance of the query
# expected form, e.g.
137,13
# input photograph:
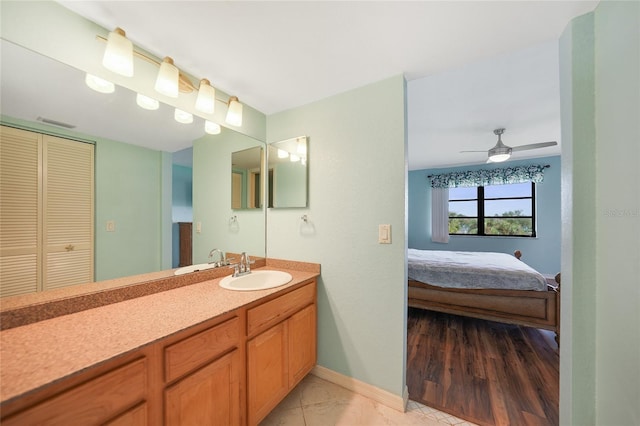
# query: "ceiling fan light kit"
170,82
501,152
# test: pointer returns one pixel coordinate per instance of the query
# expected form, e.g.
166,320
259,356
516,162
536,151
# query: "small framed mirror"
288,173
246,178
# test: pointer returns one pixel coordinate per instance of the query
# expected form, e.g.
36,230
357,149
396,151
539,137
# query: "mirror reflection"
140,193
288,173
246,178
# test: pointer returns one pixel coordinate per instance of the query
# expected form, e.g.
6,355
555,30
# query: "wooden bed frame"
539,309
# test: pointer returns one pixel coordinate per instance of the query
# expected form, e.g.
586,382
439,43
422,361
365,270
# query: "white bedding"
473,270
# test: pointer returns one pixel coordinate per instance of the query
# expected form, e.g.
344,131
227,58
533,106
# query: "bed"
491,286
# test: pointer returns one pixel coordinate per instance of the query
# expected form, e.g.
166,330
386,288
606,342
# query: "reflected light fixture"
212,128
99,84
167,81
183,116
147,102
293,158
118,55
282,153
206,100
234,113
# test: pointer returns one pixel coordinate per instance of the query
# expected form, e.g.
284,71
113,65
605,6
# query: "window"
501,210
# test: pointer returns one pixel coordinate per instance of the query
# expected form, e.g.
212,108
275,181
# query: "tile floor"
318,402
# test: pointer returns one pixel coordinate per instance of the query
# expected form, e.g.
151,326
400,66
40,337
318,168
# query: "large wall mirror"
137,188
288,173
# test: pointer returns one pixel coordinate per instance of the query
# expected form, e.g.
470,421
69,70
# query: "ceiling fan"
501,152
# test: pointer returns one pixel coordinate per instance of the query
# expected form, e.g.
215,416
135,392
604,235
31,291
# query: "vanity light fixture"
99,84
206,100
168,77
147,102
118,55
183,116
212,128
170,81
234,113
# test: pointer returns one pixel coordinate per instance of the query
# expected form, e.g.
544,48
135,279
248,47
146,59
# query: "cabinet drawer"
92,402
264,316
194,351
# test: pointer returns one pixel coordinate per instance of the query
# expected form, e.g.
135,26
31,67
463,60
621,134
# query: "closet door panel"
20,213
68,212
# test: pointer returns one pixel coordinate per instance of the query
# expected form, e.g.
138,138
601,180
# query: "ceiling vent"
56,123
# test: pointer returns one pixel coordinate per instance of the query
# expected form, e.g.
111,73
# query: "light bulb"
234,113
99,84
212,128
183,116
147,102
118,55
206,100
167,81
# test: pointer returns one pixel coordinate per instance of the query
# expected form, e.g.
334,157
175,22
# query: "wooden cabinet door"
210,396
93,402
302,344
267,371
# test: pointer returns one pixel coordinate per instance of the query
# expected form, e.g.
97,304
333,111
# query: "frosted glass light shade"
183,116
498,158
234,113
118,55
99,84
282,153
294,158
147,102
212,128
206,100
167,81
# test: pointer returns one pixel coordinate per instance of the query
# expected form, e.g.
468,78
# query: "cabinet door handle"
70,247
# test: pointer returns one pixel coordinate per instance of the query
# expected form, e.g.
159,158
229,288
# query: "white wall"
600,351
357,180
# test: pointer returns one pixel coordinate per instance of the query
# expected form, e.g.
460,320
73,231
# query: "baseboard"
379,395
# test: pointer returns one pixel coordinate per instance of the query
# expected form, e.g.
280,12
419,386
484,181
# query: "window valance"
501,176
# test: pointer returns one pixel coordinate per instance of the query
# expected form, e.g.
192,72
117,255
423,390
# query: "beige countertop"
38,354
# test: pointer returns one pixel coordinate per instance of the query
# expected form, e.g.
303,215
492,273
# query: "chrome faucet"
243,267
221,257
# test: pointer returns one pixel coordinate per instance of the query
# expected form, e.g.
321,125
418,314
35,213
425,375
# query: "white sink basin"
193,268
256,280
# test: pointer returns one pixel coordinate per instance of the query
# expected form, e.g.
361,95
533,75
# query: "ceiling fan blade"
534,146
474,151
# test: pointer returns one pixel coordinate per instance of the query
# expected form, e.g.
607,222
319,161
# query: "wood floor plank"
482,371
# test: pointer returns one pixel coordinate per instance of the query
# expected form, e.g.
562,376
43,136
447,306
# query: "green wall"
600,94
357,180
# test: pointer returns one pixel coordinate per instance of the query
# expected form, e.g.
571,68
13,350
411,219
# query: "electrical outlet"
111,226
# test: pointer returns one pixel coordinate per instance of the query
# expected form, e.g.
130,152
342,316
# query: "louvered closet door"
20,229
68,213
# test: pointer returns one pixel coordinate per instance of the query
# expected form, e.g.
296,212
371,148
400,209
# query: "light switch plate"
111,226
384,234
198,227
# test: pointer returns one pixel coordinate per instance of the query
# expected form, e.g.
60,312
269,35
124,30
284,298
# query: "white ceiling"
279,55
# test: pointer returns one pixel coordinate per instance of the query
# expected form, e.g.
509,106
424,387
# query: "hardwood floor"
482,371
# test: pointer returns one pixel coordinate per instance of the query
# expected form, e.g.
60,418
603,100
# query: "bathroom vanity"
197,354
